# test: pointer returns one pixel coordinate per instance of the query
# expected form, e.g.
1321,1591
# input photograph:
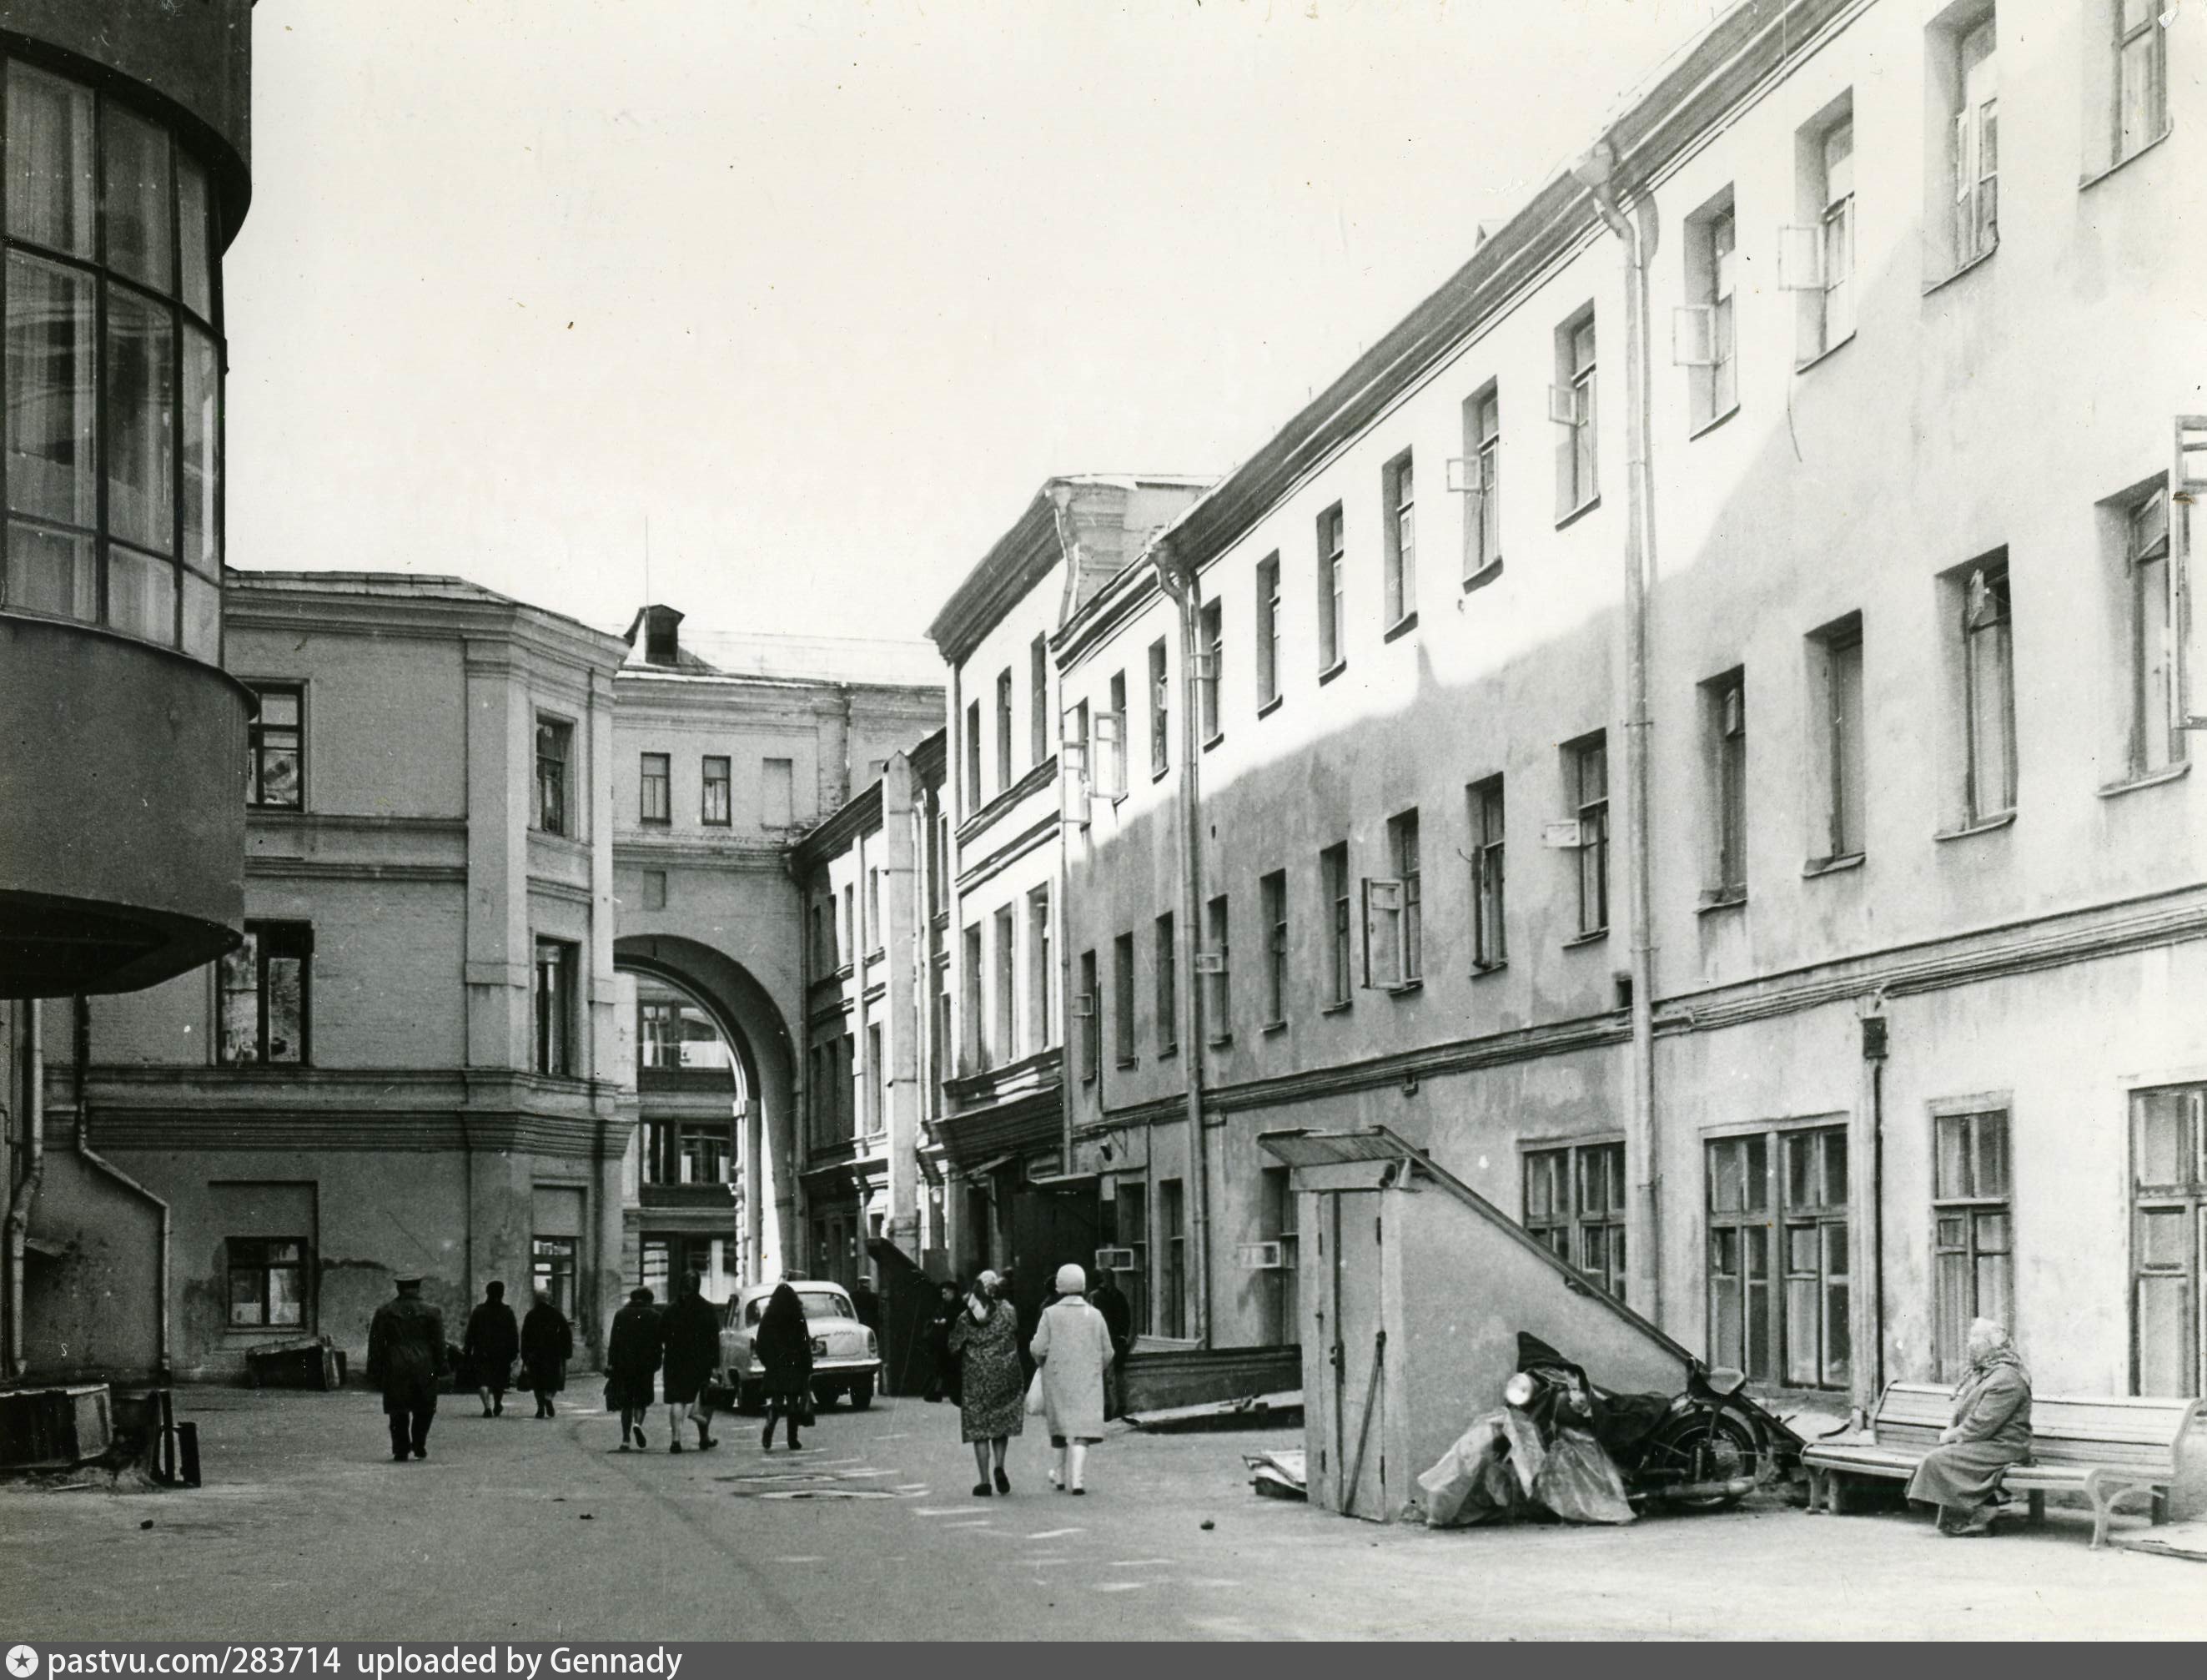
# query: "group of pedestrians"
543,1341
408,1358
1074,1346
680,1345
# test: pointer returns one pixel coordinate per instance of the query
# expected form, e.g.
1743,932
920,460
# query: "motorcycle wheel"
1709,1446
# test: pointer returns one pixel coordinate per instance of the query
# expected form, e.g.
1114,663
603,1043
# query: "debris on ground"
1278,1476
1270,1411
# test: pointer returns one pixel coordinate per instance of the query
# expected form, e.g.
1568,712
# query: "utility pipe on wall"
1068,1081
1596,171
1179,581
34,1173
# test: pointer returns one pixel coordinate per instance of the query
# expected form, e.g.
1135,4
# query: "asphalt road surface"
521,1529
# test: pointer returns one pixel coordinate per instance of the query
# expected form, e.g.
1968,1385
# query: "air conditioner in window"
1467,474
1800,259
1261,1255
1114,1259
1693,336
1562,836
1083,1004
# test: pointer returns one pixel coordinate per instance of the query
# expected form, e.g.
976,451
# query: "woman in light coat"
1990,1431
1073,1347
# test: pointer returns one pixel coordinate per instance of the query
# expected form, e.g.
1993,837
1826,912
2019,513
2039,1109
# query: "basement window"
267,1282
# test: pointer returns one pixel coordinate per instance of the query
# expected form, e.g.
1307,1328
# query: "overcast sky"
824,290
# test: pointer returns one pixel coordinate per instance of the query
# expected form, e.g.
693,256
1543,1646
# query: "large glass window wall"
111,291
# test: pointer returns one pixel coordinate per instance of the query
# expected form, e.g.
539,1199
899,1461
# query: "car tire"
749,1397
824,1396
862,1394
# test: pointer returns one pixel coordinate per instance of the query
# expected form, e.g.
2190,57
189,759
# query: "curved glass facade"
112,292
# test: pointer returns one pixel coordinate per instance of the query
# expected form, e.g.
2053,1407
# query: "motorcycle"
1704,1449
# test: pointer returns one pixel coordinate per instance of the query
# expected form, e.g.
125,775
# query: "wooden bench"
2105,1447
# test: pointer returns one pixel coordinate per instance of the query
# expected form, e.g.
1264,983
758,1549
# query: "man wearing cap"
1073,1344
405,1358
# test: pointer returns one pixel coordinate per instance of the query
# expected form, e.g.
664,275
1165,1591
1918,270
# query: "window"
1724,723
1973,1234
1402,838
686,1151
1038,700
2125,79
877,1080
1172,1211
1332,571
1400,538
1041,1027
1276,1222
853,935
1571,406
1003,730
265,986
1482,451
1585,781
1160,711
2168,1240
1798,1333
1964,89
1004,1041
1127,1218
1213,634
972,756
1272,904
555,744
1739,1237
1333,887
1575,1206
777,792
969,1000
1111,782
1815,1332
654,889
823,936
551,1269
1091,1020
1708,343
1490,946
267,1282
715,806
275,747
114,389
939,1039
1835,681
1122,999
1268,631
1816,261
1167,982
656,804
2156,743
555,1007
876,934
1988,692
1218,1003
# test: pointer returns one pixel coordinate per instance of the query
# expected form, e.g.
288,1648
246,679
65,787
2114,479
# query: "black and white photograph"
719,723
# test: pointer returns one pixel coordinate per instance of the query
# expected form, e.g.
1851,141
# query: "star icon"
22,1661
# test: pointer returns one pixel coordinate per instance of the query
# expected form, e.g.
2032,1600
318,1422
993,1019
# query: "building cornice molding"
1029,840
997,809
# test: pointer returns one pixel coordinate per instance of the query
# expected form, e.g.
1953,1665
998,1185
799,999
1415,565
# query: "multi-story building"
1819,879
122,824
721,764
1001,1115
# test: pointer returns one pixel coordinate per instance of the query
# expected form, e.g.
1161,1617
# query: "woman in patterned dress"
992,1402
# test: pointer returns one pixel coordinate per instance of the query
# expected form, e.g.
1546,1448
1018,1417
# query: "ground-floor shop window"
551,1269
1780,1281
1973,1234
2168,1241
1574,1204
267,1282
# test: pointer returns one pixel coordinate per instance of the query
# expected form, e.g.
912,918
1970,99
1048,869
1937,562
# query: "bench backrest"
2096,1429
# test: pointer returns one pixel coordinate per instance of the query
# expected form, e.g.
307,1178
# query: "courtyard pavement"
520,1529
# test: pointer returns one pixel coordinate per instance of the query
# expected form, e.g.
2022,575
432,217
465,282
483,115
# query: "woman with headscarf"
784,1346
1991,1430
992,1393
691,1335
632,1353
1071,1346
547,1342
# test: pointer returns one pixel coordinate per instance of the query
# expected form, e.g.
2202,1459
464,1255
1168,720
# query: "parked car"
845,1358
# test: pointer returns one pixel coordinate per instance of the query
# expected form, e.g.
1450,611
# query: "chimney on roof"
661,644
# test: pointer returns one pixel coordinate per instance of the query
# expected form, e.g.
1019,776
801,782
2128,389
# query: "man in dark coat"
494,1342
547,1342
632,1354
691,1333
405,1358
1108,1299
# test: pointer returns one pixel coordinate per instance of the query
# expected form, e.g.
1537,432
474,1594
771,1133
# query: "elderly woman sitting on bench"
1990,1431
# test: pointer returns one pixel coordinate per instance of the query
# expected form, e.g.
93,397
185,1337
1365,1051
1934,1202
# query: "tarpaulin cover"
1579,1481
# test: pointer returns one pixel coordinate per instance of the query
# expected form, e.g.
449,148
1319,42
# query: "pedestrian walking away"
1991,1430
784,1346
492,1343
633,1355
1108,1299
866,1306
1072,1349
405,1360
692,1342
945,1379
992,1391
547,1342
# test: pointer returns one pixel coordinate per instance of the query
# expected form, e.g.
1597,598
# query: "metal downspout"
1179,582
1596,171
81,1057
34,1173
1068,1081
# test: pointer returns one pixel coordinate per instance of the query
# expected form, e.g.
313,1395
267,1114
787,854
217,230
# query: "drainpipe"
80,1058
34,1173
1177,579
1596,171
1068,1080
